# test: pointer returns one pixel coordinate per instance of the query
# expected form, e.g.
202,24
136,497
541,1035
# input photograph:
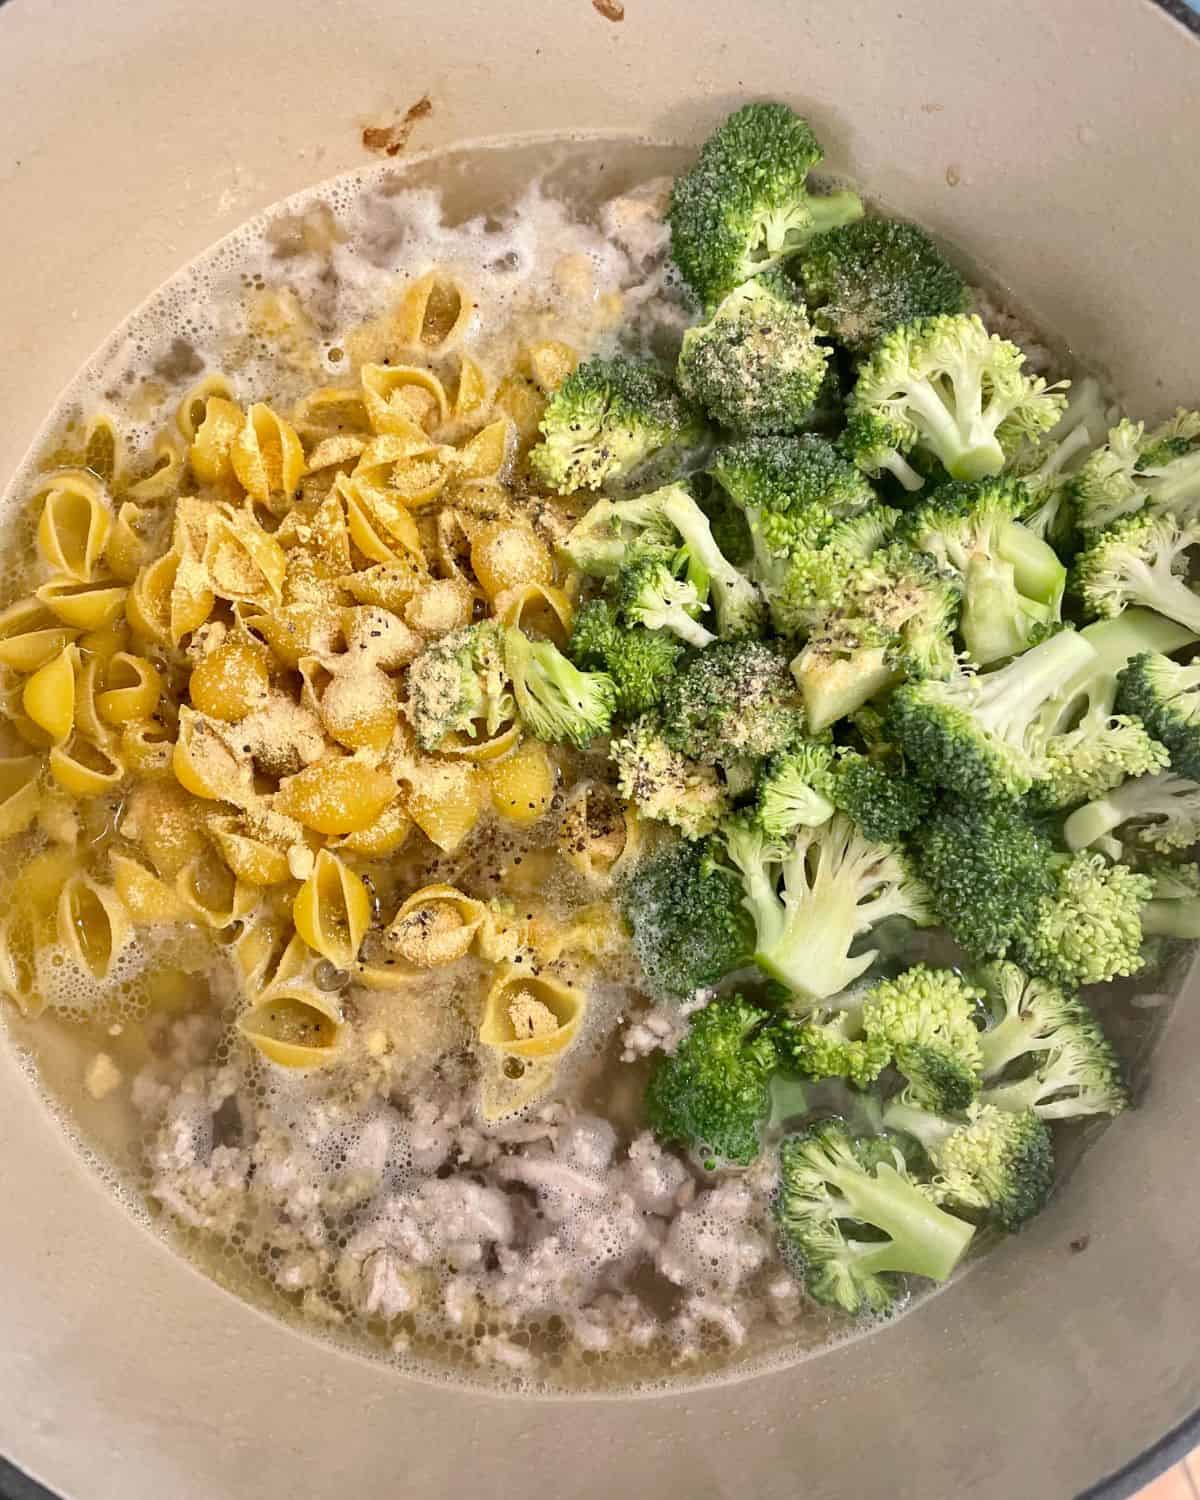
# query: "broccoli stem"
1036,567
967,446
1177,919
925,1240
1088,824
1009,699
1094,686
899,468
930,1129
1160,589
807,950
991,618
1176,483
1005,1042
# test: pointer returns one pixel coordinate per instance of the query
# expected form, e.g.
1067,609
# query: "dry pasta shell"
87,716
531,1015
74,525
83,606
145,749
443,605
359,707
436,925
20,793
388,585
232,680
103,644
129,548
30,635
332,910
85,769
458,747
488,453
205,765
291,1032
93,925
537,609
49,695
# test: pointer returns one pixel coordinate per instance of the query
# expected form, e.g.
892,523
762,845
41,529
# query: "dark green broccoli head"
866,278
832,1045
639,661
606,420
790,475
713,1093
823,564
794,789
756,365
885,803
648,593
928,1019
745,205
690,928
666,786
1165,696
735,699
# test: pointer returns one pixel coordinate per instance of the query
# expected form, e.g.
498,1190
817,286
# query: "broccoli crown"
977,734
1156,472
1089,929
795,788
648,593
886,804
1012,581
1027,1015
745,204
640,662
832,1187
458,683
822,568
1174,911
864,279
987,869
832,1045
1049,466
786,476
689,926
844,663
948,387
556,701
927,1018
812,895
665,785
1160,812
1091,760
605,420
756,365
1165,696
994,1164
735,699
910,601
712,1093
1144,560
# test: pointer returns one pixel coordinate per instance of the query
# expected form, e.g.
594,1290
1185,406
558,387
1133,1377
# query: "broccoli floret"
866,278
904,594
927,1019
640,662
556,701
745,205
1093,759
884,803
689,926
1165,696
1048,468
830,1043
665,785
1069,1067
831,1206
992,1163
648,593
756,365
459,683
1012,581
1140,560
1089,929
1156,472
845,662
812,895
945,386
1160,812
819,576
736,699
977,733
606,420
1174,909
795,789
712,1094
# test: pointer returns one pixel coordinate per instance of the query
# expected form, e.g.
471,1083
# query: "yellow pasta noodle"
434,313
445,799
93,925
522,783
332,910
211,893
537,609
104,450
396,396
49,695
83,606
241,560
292,1032
193,408
530,1015
148,900
232,680
85,769
506,555
336,796
132,688
387,835
268,458
128,548
253,860
164,480
74,525
30,635
20,793
211,452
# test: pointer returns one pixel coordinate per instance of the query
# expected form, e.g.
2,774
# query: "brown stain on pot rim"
391,139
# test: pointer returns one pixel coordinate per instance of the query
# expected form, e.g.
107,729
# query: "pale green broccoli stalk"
640,662
713,1093
927,1018
869,277
607,419
994,1164
555,700
648,593
812,895
829,1183
1165,696
756,365
795,789
1048,468
1026,1015
1160,812
847,661
745,206
460,684
945,386
1012,581
977,733
663,784
734,700
1140,560
1089,929
1174,909
1155,472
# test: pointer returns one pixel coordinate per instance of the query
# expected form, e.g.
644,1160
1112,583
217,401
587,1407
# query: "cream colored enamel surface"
131,136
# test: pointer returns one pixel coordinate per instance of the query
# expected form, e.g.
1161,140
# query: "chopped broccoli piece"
886,805
826,1189
606,420
812,895
1140,560
1165,696
866,278
845,662
993,1163
1012,581
756,365
664,784
1160,812
795,789
648,593
1093,759
1174,909
927,1018
819,574
458,683
831,1043
556,701
977,733
640,662
945,386
745,205
1156,472
713,1093
734,700
1048,468
1089,930
689,926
